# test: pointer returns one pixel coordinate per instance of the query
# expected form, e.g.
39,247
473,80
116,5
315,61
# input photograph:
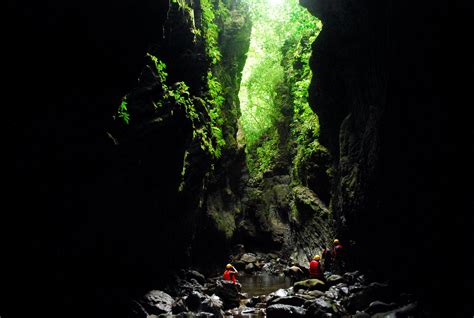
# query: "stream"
263,284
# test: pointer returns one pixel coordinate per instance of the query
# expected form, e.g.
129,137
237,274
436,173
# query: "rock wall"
381,92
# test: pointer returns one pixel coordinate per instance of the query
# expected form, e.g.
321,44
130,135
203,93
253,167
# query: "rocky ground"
350,294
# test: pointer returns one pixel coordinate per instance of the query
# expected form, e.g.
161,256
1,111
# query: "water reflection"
263,284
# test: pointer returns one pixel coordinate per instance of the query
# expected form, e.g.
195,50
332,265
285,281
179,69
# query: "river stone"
248,258
319,307
310,284
228,292
197,276
334,280
290,300
359,300
255,300
315,293
249,268
379,306
158,302
280,293
193,300
285,311
179,306
214,305
350,277
409,310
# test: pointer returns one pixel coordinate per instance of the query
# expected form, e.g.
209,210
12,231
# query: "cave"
144,139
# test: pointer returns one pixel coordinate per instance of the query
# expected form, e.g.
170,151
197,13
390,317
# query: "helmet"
317,257
336,241
228,266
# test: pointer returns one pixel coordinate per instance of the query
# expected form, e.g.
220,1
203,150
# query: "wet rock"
250,268
157,302
319,308
185,315
332,293
284,311
248,258
358,301
228,292
279,293
356,288
193,300
361,314
315,293
295,272
350,277
334,280
179,306
213,305
255,300
343,289
244,295
239,265
204,314
261,305
192,274
273,255
382,291
137,310
290,300
410,310
310,284
248,310
379,306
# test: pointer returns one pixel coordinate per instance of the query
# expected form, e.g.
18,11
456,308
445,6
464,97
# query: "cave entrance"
277,123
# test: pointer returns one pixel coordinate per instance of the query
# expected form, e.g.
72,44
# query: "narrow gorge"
155,142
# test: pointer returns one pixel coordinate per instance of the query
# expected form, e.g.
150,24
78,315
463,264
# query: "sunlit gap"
280,29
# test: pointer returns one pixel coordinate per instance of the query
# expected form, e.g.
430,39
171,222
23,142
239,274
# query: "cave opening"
277,124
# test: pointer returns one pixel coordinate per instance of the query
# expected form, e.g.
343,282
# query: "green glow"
275,22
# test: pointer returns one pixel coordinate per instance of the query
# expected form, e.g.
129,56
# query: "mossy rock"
310,284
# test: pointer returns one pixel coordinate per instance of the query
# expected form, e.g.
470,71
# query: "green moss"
225,223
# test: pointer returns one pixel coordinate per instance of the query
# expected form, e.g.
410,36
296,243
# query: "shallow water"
263,284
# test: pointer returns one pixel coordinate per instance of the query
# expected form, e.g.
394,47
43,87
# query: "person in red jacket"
338,255
327,258
315,268
230,273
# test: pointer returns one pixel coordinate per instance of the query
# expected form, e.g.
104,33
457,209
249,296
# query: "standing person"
315,268
338,255
230,273
327,259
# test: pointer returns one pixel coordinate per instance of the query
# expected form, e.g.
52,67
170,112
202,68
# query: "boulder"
157,302
410,310
250,268
214,305
285,311
379,306
248,258
290,300
200,278
310,284
228,293
320,307
334,280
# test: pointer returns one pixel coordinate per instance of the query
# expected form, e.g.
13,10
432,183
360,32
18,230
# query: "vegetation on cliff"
274,90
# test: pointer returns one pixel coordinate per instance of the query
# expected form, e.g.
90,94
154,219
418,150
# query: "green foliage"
210,13
207,134
123,111
276,78
263,155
